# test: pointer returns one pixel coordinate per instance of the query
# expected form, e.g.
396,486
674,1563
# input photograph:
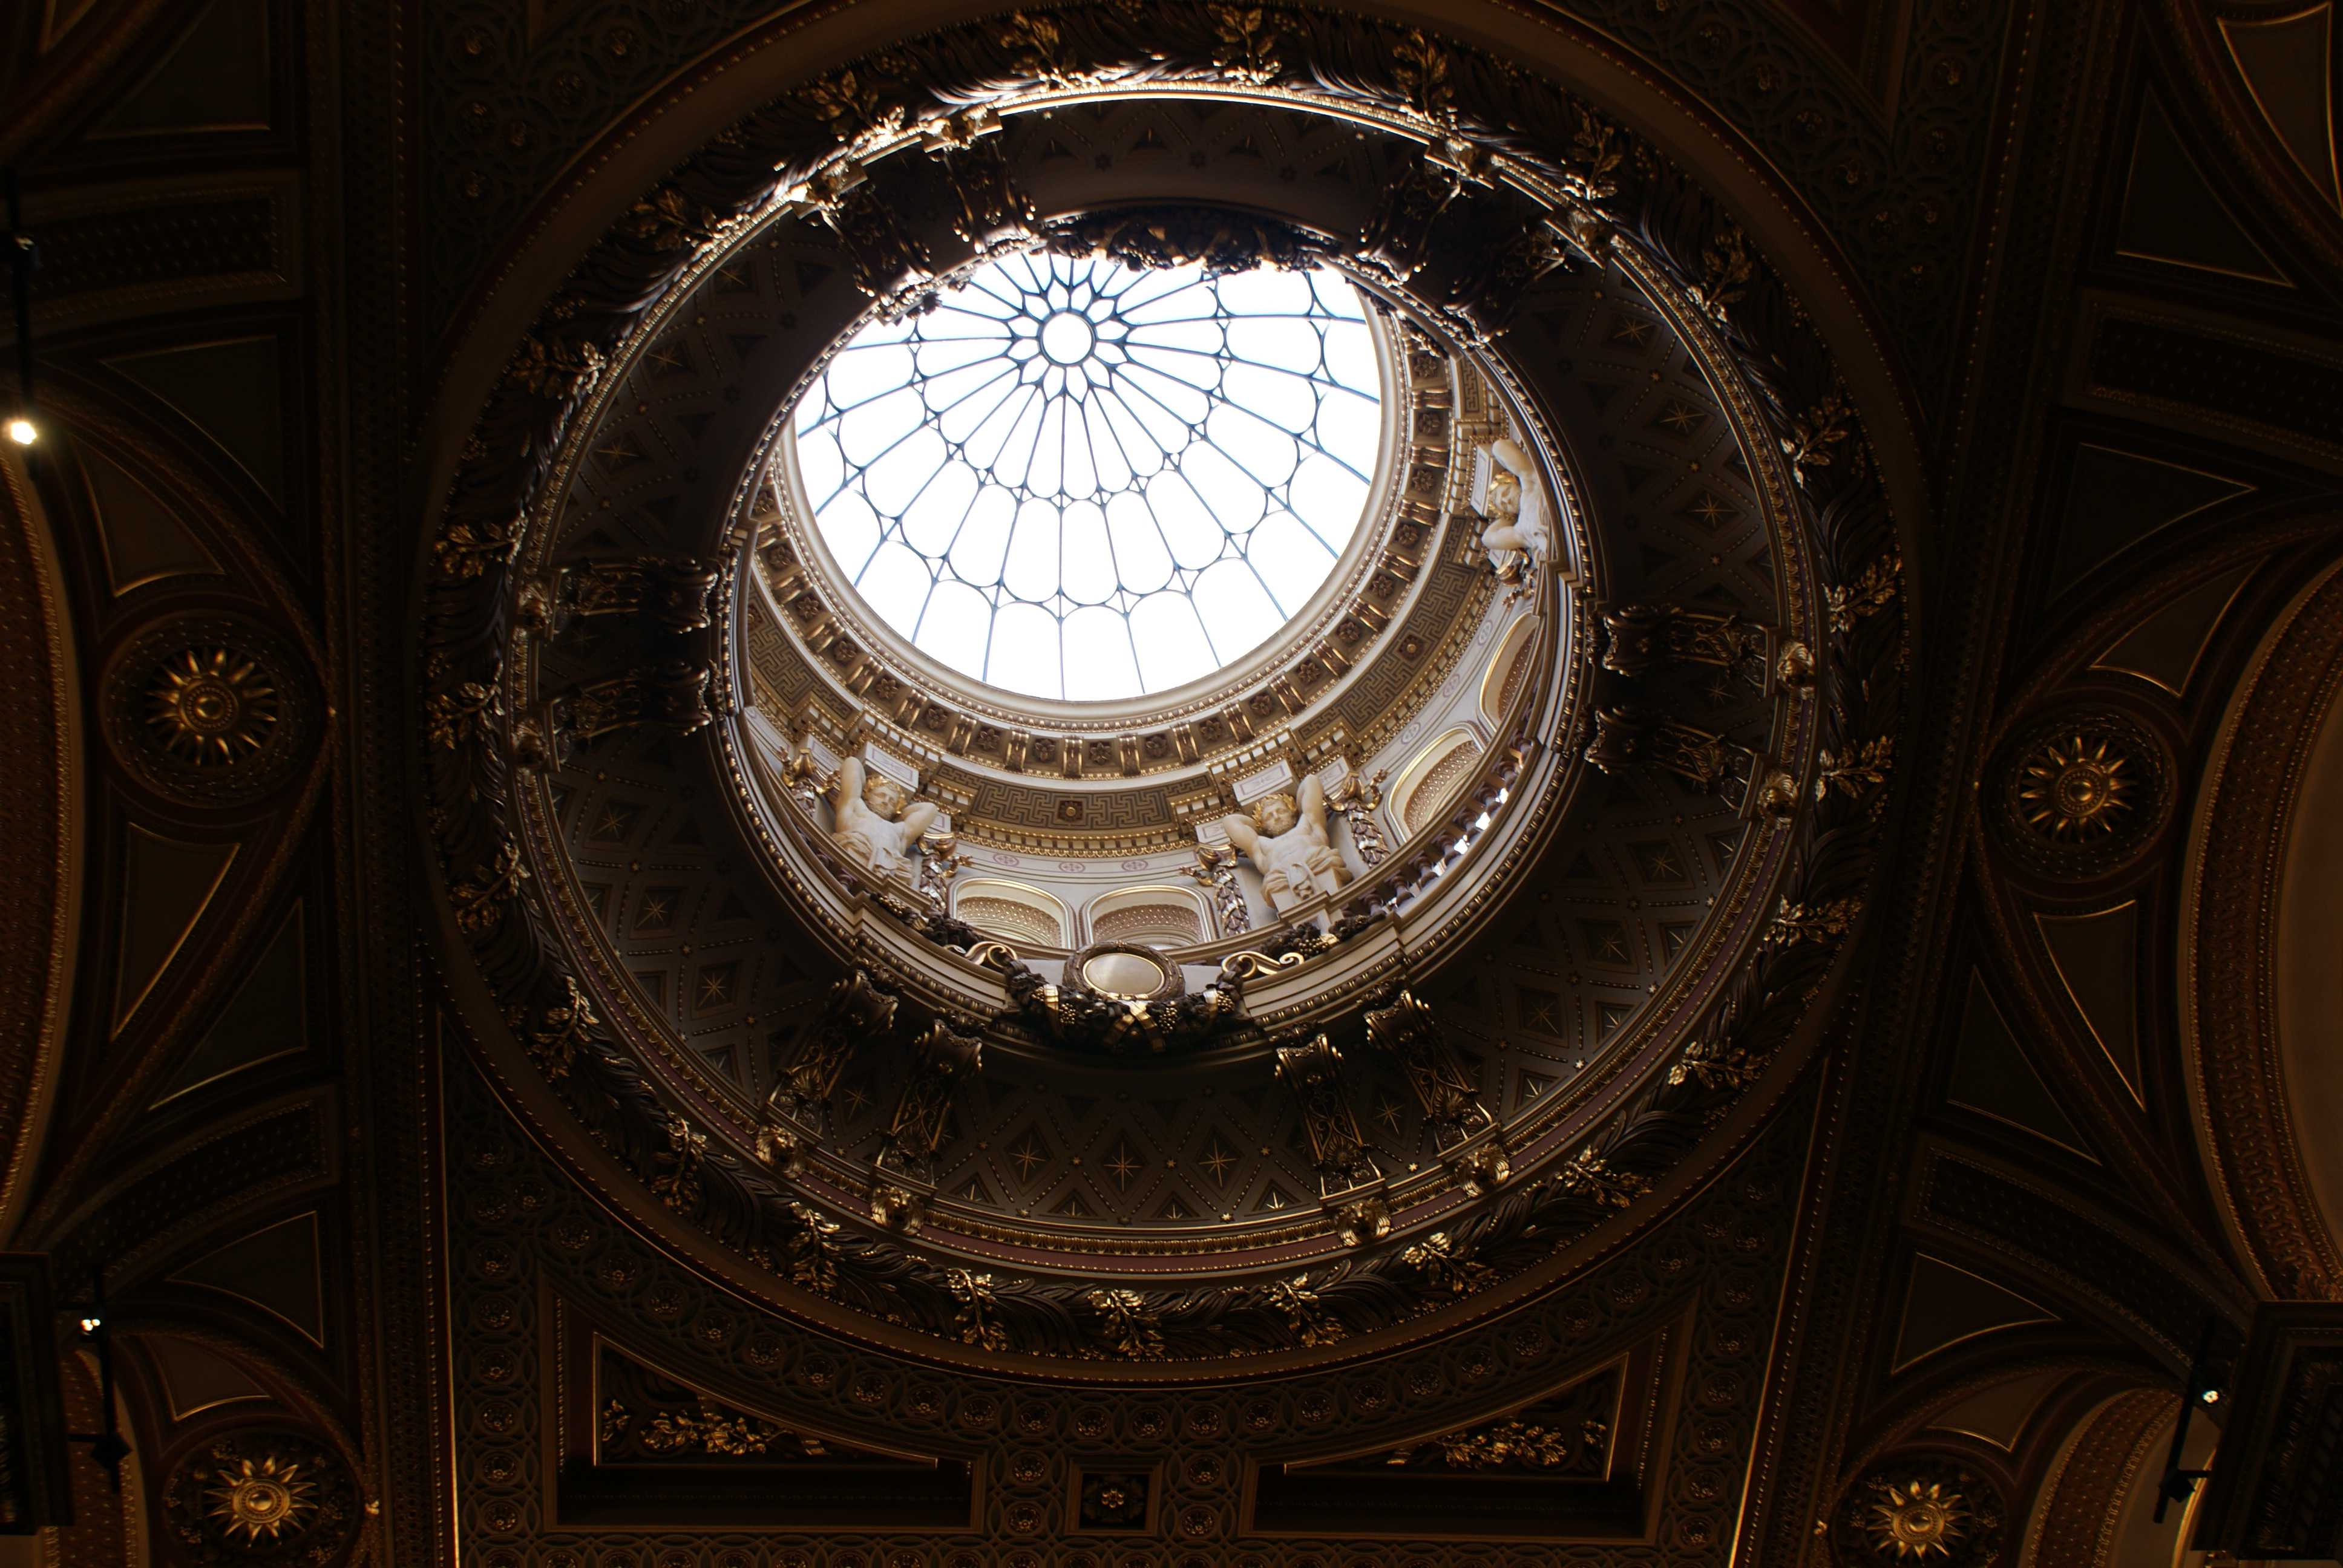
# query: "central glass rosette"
1075,480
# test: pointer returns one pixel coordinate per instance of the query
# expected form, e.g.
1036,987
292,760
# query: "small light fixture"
90,1325
2211,1396
1482,821
22,431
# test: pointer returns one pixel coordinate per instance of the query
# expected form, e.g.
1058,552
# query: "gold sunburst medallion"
2076,788
261,1497
1917,1519
211,706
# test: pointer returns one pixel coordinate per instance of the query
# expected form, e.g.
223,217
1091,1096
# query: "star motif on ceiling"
654,912
855,1098
1682,417
1124,1166
715,986
612,824
1028,1156
1629,330
1710,511
1217,1161
1387,1111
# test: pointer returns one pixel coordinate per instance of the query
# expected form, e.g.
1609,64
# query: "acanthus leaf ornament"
470,547
466,714
558,371
677,1182
1861,768
481,902
1245,43
1123,1324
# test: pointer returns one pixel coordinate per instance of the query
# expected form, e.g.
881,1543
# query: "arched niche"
1157,916
1018,913
1432,777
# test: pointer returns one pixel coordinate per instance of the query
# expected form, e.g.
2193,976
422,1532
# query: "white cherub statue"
879,823
1286,841
1513,499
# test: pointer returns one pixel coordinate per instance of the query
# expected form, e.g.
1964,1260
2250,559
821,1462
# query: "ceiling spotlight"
22,431
90,1325
2211,1396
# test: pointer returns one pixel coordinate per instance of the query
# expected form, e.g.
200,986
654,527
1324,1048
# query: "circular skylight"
1076,481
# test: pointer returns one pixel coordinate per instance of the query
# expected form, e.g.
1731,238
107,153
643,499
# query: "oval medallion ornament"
1127,974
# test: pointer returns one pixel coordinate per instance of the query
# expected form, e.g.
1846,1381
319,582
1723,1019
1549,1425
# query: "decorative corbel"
1639,639
798,1109
673,696
668,592
887,263
1627,737
993,212
1396,239
942,1060
1444,1092
1314,1073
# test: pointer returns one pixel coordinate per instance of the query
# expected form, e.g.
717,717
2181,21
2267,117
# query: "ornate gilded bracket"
1447,1097
675,696
1314,1073
942,1060
798,1110
670,593
1641,637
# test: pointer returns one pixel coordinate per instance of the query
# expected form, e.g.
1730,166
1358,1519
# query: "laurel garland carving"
1606,185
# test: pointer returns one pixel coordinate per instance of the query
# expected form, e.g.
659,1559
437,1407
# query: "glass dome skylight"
1075,480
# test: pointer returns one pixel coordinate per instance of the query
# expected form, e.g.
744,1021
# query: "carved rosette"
1920,1512
209,710
845,1243
263,1496
2079,793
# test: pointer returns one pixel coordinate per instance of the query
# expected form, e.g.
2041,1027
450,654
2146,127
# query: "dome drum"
1439,910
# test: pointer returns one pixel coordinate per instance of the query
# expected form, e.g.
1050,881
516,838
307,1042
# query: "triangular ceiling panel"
2164,649
141,540
1946,1306
276,1270
2116,499
2288,63
2172,214
267,1019
232,392
2098,960
197,1378
167,886
1998,1415
1992,1075
215,79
